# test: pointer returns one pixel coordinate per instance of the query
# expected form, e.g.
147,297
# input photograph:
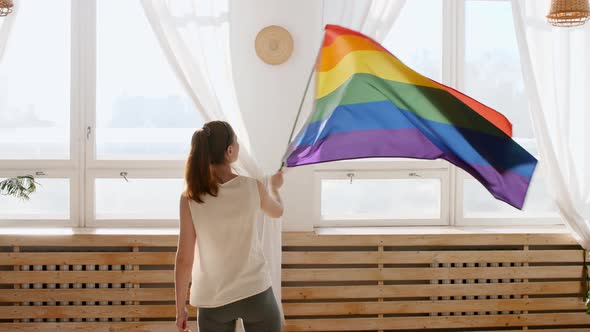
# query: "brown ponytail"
208,147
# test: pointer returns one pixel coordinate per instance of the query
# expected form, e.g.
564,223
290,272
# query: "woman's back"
218,246
229,263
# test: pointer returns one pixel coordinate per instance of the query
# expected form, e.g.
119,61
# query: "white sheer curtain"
374,18
557,79
6,24
194,35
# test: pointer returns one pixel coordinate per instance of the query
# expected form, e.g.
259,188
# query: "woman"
218,213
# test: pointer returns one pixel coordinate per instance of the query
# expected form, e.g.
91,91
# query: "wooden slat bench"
452,282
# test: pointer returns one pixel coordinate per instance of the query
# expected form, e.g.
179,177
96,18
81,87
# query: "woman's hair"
208,147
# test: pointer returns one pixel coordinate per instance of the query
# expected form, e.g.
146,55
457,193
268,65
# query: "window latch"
88,132
124,176
350,176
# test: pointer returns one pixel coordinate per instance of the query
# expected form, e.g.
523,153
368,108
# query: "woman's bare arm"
185,254
270,201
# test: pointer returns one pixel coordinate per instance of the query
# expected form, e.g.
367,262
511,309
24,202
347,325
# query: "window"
50,205
479,57
417,37
396,191
492,75
144,122
381,198
480,205
103,122
492,72
142,111
127,110
36,131
136,199
35,120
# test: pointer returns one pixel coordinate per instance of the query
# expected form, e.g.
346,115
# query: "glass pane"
492,64
416,37
380,199
480,204
51,200
138,198
493,76
142,111
35,83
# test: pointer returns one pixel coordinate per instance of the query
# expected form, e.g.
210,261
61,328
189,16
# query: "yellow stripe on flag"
377,63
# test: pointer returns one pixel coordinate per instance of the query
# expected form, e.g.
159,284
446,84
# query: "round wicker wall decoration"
274,45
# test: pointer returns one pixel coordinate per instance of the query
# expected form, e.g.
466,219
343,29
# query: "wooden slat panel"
94,327
90,240
353,293
427,290
294,293
83,258
87,294
401,323
107,311
533,272
313,240
418,307
298,239
142,327
427,257
86,277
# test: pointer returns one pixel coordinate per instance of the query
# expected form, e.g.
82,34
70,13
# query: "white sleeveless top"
229,263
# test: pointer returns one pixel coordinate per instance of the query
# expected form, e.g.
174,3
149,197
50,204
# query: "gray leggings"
260,313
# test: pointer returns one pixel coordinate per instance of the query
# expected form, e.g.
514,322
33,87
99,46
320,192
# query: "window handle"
350,176
124,176
88,132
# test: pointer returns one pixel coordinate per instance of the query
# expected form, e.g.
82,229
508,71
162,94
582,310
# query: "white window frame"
382,170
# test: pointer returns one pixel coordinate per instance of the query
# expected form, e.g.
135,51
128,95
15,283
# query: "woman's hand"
182,321
271,203
276,181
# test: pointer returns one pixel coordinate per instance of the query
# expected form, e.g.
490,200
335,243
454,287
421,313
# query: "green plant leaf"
20,187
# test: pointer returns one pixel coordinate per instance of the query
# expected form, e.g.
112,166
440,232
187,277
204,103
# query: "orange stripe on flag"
331,55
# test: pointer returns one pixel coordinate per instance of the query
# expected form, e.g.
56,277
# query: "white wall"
269,95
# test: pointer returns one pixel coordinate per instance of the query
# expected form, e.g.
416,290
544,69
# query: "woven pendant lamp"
569,13
5,7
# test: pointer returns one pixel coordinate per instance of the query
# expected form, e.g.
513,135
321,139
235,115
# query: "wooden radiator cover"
451,282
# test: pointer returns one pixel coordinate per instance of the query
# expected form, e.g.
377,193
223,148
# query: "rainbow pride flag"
369,104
